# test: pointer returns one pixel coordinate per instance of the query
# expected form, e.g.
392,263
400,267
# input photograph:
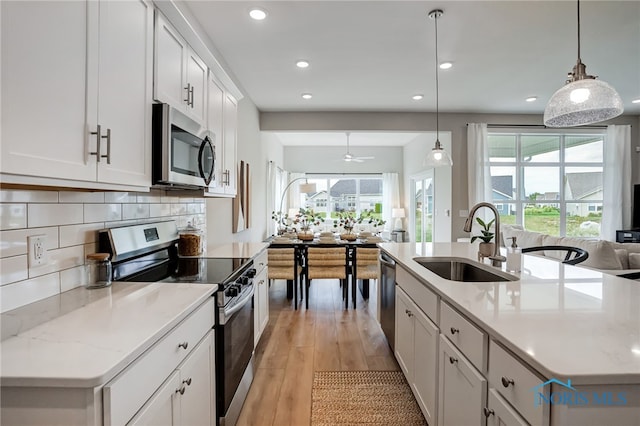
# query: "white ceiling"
340,138
374,55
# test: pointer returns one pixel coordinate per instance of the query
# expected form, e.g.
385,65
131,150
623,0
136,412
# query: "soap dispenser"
514,257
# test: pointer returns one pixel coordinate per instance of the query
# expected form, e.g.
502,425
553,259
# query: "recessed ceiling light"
636,101
258,14
307,96
417,97
531,99
302,63
446,65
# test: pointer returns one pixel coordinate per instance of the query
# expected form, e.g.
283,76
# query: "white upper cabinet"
215,110
230,143
68,68
179,73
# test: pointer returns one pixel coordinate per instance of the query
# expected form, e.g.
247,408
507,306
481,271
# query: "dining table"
300,247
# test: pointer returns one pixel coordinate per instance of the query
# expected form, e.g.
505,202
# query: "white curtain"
390,197
479,174
616,209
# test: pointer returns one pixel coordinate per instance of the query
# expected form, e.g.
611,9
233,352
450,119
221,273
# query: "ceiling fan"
348,156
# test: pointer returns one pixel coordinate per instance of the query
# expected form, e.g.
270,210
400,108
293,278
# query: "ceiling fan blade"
358,160
365,158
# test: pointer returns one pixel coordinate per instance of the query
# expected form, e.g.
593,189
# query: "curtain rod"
541,126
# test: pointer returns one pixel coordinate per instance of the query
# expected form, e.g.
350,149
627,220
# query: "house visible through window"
346,193
549,183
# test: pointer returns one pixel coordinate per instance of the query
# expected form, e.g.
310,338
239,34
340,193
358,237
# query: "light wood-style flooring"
295,344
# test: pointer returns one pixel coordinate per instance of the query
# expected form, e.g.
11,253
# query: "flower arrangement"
283,220
306,218
487,235
347,221
366,216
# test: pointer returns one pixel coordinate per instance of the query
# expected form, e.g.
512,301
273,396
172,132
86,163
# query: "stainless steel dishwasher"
387,297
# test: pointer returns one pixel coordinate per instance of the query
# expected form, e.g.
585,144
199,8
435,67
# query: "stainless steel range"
148,253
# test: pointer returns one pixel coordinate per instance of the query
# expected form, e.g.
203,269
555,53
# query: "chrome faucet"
496,259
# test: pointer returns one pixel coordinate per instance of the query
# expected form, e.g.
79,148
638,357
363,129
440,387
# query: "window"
549,183
346,193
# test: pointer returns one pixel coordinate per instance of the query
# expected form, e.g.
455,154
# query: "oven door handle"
226,314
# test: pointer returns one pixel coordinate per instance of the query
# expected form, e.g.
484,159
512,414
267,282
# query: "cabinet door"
215,110
44,59
123,107
261,307
196,375
425,378
197,83
230,140
404,334
170,69
500,413
463,391
162,408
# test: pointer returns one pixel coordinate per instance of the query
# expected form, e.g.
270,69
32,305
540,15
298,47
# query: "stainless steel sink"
460,269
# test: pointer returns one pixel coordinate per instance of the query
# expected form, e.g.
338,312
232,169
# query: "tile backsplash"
70,221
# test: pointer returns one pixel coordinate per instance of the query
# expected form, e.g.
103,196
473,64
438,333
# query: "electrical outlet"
37,250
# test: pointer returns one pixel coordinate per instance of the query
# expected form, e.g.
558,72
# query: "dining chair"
569,255
367,267
283,264
327,263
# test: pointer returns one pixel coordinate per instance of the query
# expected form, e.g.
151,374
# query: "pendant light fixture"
438,157
583,100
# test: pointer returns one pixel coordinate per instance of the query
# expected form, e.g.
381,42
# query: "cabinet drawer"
419,293
260,261
504,369
501,413
128,391
466,336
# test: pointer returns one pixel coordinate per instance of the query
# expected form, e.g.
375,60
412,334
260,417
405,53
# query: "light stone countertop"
565,321
83,338
248,249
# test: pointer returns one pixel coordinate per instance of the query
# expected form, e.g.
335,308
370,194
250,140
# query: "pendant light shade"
583,100
438,157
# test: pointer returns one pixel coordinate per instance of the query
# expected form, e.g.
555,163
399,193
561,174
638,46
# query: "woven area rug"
363,398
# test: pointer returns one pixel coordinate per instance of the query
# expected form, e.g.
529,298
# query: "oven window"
184,152
236,337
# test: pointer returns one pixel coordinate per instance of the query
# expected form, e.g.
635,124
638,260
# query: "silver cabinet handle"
98,139
488,412
188,381
189,91
506,381
452,360
261,282
183,345
454,330
191,96
108,138
181,390
408,312
226,179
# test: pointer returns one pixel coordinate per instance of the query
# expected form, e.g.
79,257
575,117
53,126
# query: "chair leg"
295,293
307,292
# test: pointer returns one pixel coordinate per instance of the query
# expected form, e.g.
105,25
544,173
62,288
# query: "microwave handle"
207,175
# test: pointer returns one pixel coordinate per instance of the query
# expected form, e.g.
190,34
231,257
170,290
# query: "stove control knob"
232,291
245,280
251,273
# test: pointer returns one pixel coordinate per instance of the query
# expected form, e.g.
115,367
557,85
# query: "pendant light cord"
579,59
437,90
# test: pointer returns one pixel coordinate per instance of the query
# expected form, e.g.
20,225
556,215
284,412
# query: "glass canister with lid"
98,270
190,241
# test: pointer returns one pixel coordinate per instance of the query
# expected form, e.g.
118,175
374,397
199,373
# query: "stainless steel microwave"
184,153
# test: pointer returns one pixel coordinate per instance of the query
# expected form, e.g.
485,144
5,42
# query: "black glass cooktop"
205,270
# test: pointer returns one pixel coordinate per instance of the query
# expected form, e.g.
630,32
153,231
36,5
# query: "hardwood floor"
296,343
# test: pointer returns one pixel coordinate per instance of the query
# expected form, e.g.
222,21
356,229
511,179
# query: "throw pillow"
623,257
634,260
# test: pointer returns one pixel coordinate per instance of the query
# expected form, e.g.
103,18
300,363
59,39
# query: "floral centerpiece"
347,221
284,222
367,217
305,219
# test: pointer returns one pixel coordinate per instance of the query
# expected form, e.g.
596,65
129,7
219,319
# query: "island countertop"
83,338
565,321
241,249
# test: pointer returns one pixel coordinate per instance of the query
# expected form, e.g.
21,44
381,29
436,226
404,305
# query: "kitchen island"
575,327
68,358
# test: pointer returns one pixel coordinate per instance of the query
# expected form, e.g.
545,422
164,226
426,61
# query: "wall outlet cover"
37,250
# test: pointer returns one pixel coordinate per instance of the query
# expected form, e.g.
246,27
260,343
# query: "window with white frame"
548,182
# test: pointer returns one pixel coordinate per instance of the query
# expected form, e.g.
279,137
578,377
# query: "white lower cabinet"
500,413
187,397
417,353
463,390
260,297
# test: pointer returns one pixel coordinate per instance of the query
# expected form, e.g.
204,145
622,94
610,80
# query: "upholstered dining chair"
367,267
568,255
283,265
327,263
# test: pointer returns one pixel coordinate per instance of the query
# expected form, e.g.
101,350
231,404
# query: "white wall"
328,159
